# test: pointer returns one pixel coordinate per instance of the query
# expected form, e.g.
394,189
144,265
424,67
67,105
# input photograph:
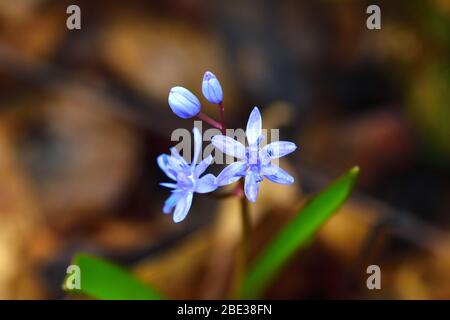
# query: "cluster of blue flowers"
254,162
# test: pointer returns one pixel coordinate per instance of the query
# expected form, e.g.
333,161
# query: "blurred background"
84,113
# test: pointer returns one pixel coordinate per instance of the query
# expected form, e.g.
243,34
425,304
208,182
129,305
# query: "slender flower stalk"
222,117
213,123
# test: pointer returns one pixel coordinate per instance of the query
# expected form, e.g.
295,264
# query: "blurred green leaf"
296,234
103,280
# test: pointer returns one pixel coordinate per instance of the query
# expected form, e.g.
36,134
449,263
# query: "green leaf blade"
296,234
105,281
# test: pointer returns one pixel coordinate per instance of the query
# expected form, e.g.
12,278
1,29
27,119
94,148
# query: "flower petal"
175,154
202,166
251,187
276,174
168,185
277,149
171,201
183,102
211,88
206,184
232,173
182,207
254,126
197,146
229,146
163,163
176,162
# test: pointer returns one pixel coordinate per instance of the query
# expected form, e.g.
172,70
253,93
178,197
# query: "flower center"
253,160
186,180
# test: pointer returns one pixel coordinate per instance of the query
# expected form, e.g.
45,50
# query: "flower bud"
211,88
183,102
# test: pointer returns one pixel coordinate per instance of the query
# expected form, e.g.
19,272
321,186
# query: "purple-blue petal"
251,186
211,88
182,207
168,185
254,126
276,174
176,164
278,149
171,201
207,183
176,155
232,173
229,146
202,166
163,163
183,102
197,145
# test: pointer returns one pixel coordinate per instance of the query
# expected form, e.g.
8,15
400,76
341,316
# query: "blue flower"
183,102
187,179
211,88
254,162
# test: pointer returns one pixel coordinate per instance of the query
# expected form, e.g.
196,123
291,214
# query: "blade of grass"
296,234
103,280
